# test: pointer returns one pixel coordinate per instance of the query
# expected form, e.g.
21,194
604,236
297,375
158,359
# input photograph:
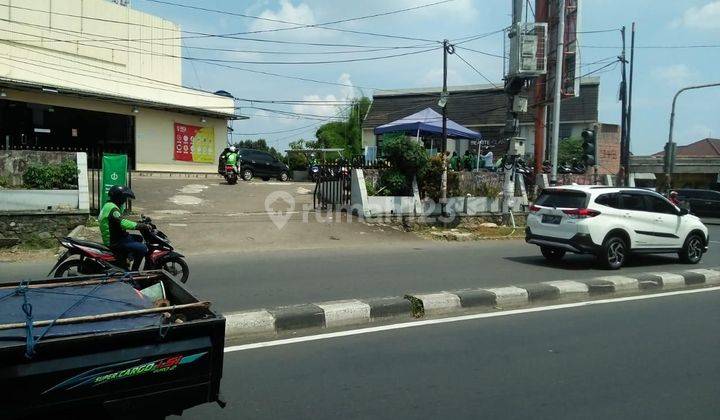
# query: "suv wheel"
283,176
613,253
692,251
247,174
552,254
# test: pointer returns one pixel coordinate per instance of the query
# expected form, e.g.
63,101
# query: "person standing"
488,158
454,162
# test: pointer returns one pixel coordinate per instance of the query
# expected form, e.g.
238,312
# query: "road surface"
654,358
264,279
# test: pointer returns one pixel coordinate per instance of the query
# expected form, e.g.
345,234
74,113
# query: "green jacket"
231,159
454,163
112,225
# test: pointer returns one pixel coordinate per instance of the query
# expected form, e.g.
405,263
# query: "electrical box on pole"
528,52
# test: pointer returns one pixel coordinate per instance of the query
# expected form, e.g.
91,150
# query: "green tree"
569,150
345,134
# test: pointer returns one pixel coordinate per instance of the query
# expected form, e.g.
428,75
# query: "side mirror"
684,211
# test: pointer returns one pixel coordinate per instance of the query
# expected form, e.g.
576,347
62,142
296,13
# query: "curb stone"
359,312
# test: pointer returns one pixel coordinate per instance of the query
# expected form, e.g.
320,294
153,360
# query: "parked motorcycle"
231,175
96,258
314,172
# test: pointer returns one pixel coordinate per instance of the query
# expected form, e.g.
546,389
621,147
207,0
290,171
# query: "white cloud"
674,75
704,17
301,14
328,110
463,10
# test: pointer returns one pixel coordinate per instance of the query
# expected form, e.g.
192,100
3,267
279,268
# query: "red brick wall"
609,149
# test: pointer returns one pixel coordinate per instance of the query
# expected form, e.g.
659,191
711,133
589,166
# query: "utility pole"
624,152
558,91
541,16
443,147
670,146
629,103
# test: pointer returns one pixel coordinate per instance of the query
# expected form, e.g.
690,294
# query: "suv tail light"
581,213
534,208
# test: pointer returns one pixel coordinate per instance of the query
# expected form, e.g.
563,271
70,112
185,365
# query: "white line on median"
411,324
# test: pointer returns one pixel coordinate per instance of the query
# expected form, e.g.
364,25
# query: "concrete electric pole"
558,92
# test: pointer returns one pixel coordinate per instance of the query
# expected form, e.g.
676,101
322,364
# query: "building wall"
154,129
44,50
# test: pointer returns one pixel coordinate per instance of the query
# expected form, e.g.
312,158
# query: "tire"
552,254
69,268
177,267
247,174
613,253
692,250
283,177
231,180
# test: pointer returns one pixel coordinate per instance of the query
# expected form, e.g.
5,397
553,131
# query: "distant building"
481,108
707,147
697,165
97,76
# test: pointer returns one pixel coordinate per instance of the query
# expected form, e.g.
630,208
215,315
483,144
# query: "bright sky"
659,72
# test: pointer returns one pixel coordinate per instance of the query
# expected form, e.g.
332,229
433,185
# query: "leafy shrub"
370,187
405,154
394,182
407,158
52,176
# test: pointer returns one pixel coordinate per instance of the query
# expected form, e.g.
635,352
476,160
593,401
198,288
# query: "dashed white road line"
411,324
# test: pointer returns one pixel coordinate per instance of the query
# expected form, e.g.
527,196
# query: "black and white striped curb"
357,312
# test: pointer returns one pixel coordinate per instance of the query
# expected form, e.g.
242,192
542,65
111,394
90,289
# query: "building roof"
708,147
475,105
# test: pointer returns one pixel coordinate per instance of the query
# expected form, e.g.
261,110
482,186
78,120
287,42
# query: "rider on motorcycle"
114,227
232,158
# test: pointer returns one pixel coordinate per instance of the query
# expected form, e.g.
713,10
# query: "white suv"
612,223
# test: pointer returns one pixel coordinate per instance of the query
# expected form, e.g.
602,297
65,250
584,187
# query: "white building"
97,76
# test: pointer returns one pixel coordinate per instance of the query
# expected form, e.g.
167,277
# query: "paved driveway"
207,215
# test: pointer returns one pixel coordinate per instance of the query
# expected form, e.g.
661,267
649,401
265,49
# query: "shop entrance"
31,126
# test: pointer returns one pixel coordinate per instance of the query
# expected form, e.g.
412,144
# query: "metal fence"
333,187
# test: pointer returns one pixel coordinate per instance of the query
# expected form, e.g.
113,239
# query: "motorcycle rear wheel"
69,268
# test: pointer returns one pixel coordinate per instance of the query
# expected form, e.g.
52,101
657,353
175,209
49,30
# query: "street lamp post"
670,147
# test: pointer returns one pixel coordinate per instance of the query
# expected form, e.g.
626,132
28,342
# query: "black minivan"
701,202
256,163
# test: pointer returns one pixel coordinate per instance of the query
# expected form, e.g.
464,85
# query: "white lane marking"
369,330
715,242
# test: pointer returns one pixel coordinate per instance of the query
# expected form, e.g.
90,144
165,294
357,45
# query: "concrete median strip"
359,312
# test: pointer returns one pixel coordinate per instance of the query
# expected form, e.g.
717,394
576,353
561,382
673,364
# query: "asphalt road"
654,358
257,279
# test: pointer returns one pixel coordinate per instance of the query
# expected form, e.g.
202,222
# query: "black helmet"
119,193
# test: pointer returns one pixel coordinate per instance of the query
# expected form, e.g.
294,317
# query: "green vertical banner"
114,172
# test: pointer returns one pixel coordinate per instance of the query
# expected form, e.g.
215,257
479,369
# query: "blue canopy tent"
427,121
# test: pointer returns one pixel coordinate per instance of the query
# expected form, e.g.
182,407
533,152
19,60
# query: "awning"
643,175
66,91
427,121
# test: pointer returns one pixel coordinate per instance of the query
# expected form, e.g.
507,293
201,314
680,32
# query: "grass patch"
35,243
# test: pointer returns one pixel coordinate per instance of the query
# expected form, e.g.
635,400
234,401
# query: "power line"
476,70
481,52
658,47
349,60
193,34
311,26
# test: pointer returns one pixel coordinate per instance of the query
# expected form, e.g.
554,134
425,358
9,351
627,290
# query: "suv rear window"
562,199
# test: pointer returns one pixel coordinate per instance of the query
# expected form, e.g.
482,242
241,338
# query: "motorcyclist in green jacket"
114,227
232,158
